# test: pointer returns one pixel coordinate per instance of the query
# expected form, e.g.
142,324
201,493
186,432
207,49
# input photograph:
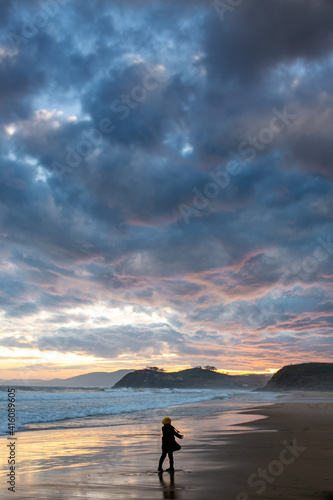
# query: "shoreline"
219,454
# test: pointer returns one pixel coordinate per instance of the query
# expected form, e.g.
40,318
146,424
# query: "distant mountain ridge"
190,378
305,376
94,379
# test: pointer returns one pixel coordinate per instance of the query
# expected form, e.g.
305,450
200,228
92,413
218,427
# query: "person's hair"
166,420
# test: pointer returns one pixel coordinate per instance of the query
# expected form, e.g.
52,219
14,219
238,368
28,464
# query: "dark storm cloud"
137,121
257,36
5,7
18,85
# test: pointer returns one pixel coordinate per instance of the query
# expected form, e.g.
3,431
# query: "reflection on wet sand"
168,485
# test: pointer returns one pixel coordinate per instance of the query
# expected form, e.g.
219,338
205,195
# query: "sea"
41,408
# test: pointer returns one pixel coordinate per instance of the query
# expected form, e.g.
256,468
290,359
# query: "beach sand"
288,444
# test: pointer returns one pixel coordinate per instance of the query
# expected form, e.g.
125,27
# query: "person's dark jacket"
168,439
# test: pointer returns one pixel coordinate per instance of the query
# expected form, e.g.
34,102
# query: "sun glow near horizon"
28,364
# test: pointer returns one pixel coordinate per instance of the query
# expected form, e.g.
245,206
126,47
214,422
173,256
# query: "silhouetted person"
169,444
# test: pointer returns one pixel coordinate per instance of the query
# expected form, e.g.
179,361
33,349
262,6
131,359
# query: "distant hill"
191,378
305,376
94,379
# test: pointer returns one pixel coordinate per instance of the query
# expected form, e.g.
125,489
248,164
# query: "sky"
166,185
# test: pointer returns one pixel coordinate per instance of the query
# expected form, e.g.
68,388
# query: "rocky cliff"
191,378
305,376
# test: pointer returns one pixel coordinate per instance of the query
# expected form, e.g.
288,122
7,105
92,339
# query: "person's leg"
161,460
171,459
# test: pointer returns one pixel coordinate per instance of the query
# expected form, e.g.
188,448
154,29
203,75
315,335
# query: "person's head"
166,420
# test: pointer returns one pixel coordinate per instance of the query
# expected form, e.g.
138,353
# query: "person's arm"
180,436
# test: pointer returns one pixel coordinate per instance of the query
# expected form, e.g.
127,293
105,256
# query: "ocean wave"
46,405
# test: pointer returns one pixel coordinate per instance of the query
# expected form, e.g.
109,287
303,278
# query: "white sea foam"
42,407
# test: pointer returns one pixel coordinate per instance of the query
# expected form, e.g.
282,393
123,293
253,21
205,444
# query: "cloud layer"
166,184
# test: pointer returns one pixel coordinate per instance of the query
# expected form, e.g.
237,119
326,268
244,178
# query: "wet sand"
283,450
288,455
